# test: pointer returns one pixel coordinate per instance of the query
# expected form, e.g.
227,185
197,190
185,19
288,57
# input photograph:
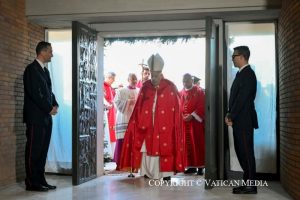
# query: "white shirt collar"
189,88
243,67
40,62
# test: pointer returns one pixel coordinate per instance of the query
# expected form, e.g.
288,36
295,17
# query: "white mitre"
155,63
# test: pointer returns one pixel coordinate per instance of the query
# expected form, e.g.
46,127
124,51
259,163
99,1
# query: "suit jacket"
38,97
241,102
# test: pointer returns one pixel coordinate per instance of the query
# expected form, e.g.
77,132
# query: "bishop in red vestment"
109,95
192,108
153,140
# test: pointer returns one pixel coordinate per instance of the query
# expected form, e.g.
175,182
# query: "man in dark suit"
242,116
39,105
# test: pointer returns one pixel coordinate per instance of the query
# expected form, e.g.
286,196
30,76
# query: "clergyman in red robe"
145,76
192,108
109,95
153,140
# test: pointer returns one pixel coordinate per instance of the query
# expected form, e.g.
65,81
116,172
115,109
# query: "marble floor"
117,186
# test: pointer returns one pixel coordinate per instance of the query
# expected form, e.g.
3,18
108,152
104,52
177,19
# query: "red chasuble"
162,134
193,100
109,95
139,84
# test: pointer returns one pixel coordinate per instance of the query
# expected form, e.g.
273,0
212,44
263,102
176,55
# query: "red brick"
17,48
289,95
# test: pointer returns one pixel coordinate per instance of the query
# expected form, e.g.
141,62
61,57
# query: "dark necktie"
46,72
48,81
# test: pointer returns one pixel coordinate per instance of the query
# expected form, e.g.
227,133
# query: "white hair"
110,74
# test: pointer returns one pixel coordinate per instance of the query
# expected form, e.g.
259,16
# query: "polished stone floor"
117,186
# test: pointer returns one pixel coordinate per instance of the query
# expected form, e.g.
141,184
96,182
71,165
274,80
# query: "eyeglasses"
233,56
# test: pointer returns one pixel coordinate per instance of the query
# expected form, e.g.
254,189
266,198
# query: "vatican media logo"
209,182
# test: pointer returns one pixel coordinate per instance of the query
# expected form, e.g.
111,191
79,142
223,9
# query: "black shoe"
237,189
145,176
167,178
38,188
190,171
200,171
50,187
245,190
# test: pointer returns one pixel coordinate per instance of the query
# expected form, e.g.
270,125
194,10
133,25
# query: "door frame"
214,103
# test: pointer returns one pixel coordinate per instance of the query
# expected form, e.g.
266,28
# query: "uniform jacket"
241,102
38,97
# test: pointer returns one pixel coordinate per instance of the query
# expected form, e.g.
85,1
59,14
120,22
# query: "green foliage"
162,39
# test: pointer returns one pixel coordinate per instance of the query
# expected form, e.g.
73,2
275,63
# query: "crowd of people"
158,129
152,127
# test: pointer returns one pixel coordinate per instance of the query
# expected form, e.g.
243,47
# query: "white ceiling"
140,17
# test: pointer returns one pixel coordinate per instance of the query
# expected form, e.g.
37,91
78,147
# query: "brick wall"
289,92
18,39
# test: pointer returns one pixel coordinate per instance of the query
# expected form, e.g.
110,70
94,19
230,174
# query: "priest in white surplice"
124,101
